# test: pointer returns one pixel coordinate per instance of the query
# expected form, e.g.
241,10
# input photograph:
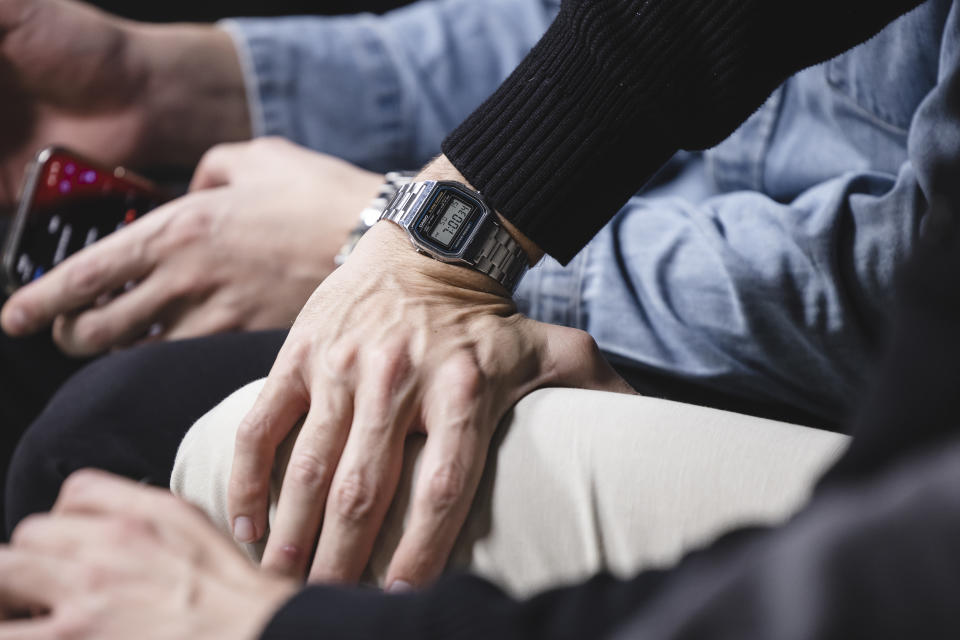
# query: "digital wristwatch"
451,223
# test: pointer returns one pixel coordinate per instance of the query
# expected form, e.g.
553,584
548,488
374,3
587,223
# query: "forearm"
616,87
193,96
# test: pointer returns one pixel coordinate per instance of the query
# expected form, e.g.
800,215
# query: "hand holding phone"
242,251
68,203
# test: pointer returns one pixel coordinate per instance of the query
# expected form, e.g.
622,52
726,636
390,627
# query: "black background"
199,11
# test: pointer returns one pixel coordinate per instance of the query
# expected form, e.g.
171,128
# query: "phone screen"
69,204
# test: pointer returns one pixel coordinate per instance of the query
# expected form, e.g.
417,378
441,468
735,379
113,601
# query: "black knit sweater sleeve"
615,87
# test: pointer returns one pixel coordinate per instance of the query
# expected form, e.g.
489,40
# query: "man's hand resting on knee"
242,251
392,343
119,91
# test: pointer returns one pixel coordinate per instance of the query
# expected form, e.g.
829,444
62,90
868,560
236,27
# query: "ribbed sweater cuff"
541,146
615,87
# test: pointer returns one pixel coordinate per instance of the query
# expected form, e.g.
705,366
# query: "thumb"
217,167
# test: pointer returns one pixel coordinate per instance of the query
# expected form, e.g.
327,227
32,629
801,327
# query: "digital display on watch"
451,221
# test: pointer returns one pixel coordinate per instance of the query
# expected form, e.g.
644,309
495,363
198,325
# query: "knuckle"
252,433
92,335
354,499
583,343
95,577
584,350
390,354
340,359
194,225
308,470
76,486
125,531
211,156
87,276
445,486
27,528
464,378
296,351
183,285
392,361
269,143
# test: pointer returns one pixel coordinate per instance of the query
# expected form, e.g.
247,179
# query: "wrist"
194,95
390,245
442,169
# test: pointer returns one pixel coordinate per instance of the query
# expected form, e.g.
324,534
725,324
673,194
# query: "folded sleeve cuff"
326,83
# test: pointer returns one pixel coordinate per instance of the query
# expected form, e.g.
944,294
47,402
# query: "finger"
450,471
90,492
95,492
29,579
369,471
71,534
124,319
281,403
210,317
306,481
42,628
101,268
138,512
216,166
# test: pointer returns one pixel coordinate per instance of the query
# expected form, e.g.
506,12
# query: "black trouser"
189,11
31,371
126,413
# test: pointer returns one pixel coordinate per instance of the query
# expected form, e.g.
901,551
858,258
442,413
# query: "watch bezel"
427,217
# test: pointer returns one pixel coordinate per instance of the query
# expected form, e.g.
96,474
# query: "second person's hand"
243,251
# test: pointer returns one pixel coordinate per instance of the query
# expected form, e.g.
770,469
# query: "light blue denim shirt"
762,268
765,267
383,91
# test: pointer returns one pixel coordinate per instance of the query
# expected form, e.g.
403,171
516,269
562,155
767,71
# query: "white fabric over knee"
577,482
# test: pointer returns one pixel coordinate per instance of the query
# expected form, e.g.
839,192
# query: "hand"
116,561
243,251
391,344
118,91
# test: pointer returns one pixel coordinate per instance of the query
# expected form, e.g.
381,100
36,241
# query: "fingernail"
243,530
399,586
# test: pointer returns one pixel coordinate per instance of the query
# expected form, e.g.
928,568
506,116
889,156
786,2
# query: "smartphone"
67,203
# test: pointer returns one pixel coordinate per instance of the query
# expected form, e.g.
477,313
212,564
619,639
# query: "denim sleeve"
382,91
771,291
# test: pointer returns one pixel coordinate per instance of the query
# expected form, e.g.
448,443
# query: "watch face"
448,219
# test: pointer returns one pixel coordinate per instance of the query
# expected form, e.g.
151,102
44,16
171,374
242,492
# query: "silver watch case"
480,243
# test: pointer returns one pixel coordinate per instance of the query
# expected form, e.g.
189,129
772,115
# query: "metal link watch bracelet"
371,214
451,223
